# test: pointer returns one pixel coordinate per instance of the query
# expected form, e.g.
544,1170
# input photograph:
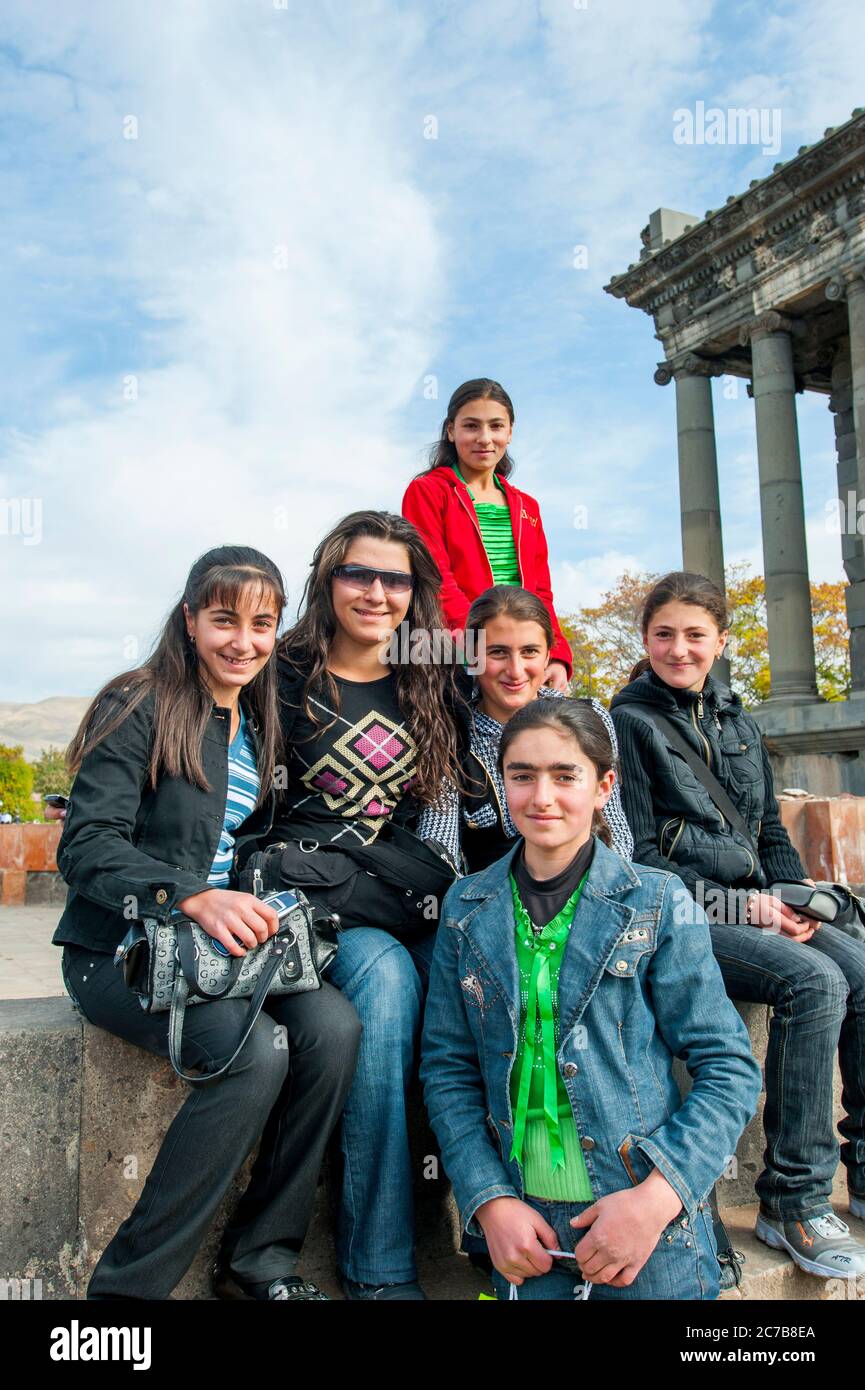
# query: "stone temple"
771,288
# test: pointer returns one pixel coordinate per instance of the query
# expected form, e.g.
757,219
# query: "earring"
191,637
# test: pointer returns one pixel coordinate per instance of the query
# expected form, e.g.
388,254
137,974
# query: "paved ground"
29,964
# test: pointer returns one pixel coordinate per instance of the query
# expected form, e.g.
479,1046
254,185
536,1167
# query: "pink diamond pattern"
379,747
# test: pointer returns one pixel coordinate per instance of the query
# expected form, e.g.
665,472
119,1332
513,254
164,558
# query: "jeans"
817,993
386,980
683,1264
286,1088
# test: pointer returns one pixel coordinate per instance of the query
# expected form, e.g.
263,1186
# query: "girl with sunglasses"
369,742
480,529
174,765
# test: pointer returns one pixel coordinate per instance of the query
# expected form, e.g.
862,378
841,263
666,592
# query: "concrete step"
771,1274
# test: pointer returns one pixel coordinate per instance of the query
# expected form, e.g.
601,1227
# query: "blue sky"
221,330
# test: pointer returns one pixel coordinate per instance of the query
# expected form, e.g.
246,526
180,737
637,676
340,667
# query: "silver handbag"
173,964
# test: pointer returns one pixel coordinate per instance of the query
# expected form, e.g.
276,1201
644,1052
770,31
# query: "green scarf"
546,946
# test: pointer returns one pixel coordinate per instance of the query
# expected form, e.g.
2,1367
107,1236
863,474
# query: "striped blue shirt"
243,788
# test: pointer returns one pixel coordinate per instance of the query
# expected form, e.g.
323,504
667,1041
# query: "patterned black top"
347,775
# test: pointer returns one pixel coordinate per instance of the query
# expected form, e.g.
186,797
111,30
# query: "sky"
250,247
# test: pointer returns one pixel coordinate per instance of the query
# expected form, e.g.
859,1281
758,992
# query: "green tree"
16,783
50,773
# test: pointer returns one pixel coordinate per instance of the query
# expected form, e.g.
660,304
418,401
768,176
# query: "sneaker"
380,1292
291,1288
818,1244
857,1206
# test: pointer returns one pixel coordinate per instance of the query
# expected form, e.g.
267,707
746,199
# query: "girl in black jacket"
174,764
813,976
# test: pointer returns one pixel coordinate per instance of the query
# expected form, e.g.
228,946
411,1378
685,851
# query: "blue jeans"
817,993
683,1265
386,980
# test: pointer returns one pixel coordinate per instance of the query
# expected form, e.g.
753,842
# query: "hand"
516,1235
225,915
765,910
624,1229
557,676
55,812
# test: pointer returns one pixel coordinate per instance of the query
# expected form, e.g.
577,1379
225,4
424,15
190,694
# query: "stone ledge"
82,1115
771,1274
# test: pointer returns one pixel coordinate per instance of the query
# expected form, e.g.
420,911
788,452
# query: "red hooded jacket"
439,505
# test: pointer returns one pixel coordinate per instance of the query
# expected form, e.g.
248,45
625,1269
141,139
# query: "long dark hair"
579,721
482,388
183,701
681,587
424,690
512,602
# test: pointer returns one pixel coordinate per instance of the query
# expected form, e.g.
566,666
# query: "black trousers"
287,1087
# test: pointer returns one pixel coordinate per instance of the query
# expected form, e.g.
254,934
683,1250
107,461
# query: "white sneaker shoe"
819,1245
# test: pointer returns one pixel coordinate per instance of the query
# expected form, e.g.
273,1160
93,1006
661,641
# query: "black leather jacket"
130,851
676,824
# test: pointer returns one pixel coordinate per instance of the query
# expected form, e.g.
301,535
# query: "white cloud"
583,584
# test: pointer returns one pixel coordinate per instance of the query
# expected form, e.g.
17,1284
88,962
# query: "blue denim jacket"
638,986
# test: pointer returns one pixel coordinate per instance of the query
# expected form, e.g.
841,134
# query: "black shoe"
380,1292
227,1284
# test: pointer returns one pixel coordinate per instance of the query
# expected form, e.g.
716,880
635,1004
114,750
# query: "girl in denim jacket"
564,982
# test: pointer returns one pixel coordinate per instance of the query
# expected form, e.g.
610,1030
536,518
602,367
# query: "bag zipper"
697,711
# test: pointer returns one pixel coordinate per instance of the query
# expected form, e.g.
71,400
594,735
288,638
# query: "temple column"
699,498
782,511
851,468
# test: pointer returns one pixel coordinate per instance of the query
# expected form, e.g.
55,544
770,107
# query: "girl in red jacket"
479,529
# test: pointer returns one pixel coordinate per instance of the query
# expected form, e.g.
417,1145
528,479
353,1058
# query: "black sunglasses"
362,577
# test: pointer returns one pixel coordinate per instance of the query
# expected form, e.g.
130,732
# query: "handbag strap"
186,954
701,771
179,998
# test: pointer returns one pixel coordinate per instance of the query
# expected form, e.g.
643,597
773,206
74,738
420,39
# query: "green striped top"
497,535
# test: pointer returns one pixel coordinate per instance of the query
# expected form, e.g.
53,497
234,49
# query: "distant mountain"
43,724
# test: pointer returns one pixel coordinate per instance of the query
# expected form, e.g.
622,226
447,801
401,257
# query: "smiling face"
480,433
368,615
233,642
682,642
516,657
552,788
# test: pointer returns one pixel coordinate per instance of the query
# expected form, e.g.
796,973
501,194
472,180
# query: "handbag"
175,964
834,903
399,881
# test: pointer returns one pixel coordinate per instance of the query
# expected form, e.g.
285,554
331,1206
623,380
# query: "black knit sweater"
676,825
